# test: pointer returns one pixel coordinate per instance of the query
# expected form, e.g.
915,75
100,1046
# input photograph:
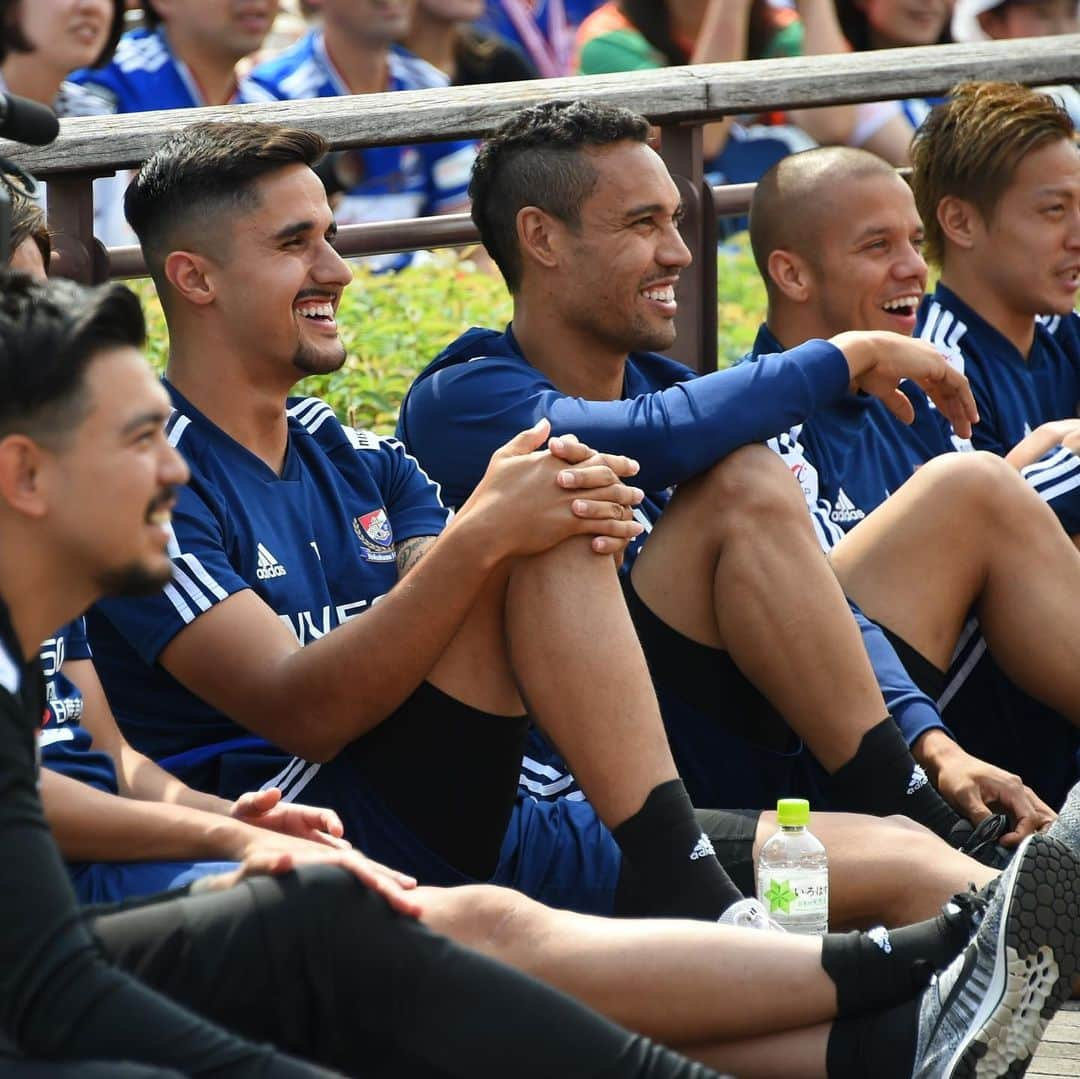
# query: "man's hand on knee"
534,499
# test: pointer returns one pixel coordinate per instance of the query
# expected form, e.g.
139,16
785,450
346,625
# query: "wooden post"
70,207
695,346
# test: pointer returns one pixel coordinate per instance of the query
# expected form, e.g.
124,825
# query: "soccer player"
741,619
402,711
355,51
961,534
316,962
997,183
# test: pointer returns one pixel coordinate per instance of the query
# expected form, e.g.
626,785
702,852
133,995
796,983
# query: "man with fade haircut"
343,974
253,668
582,218
355,50
836,237
996,176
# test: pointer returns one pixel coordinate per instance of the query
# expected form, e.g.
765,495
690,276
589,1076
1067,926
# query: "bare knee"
976,483
751,487
490,919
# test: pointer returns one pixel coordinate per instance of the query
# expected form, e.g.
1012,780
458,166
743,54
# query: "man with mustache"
749,639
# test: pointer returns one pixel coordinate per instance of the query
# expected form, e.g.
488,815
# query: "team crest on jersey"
375,534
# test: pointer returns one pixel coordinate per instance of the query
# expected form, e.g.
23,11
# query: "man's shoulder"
476,343
140,76
944,322
138,51
409,72
77,100
1063,331
313,417
297,72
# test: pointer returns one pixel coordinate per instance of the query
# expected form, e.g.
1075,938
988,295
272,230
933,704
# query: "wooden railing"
678,100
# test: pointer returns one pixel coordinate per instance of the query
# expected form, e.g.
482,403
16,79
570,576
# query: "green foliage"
393,325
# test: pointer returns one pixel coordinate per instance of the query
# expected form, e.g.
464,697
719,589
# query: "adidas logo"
918,779
845,511
269,566
703,848
880,936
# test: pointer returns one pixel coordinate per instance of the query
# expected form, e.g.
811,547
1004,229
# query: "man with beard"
751,644
318,638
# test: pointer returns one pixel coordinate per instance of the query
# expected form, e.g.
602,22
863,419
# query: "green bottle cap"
792,812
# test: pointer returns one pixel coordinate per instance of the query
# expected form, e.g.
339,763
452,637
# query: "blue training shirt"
851,455
1015,394
316,543
397,181
848,459
65,744
480,391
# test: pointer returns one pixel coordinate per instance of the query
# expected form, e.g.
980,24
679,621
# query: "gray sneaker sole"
1037,946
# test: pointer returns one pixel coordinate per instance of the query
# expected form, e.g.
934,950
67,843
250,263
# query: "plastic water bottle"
793,873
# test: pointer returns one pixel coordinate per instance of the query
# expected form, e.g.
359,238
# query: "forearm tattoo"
410,551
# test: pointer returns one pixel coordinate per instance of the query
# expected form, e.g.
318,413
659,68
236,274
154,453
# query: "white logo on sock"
703,848
880,936
918,779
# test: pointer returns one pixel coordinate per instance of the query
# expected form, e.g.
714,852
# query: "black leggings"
315,963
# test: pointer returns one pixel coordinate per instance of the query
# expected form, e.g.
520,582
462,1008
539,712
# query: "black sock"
673,870
881,1044
883,967
883,778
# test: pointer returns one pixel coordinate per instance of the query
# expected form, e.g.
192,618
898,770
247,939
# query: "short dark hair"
971,145
790,206
535,159
50,332
12,39
204,170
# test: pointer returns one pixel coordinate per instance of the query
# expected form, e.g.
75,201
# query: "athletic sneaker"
984,1014
1066,829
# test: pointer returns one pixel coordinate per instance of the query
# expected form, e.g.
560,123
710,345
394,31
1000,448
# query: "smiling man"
962,535
583,219
997,182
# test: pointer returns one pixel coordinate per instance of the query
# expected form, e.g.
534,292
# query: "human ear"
790,274
959,220
187,273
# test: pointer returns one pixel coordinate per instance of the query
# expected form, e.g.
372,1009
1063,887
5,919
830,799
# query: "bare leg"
676,981
966,532
750,575
582,672
793,1054
888,871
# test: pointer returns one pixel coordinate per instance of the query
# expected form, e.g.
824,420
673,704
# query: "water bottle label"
791,893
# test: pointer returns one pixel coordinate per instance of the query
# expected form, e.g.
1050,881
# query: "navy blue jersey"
851,455
316,543
65,743
397,181
481,390
1015,395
